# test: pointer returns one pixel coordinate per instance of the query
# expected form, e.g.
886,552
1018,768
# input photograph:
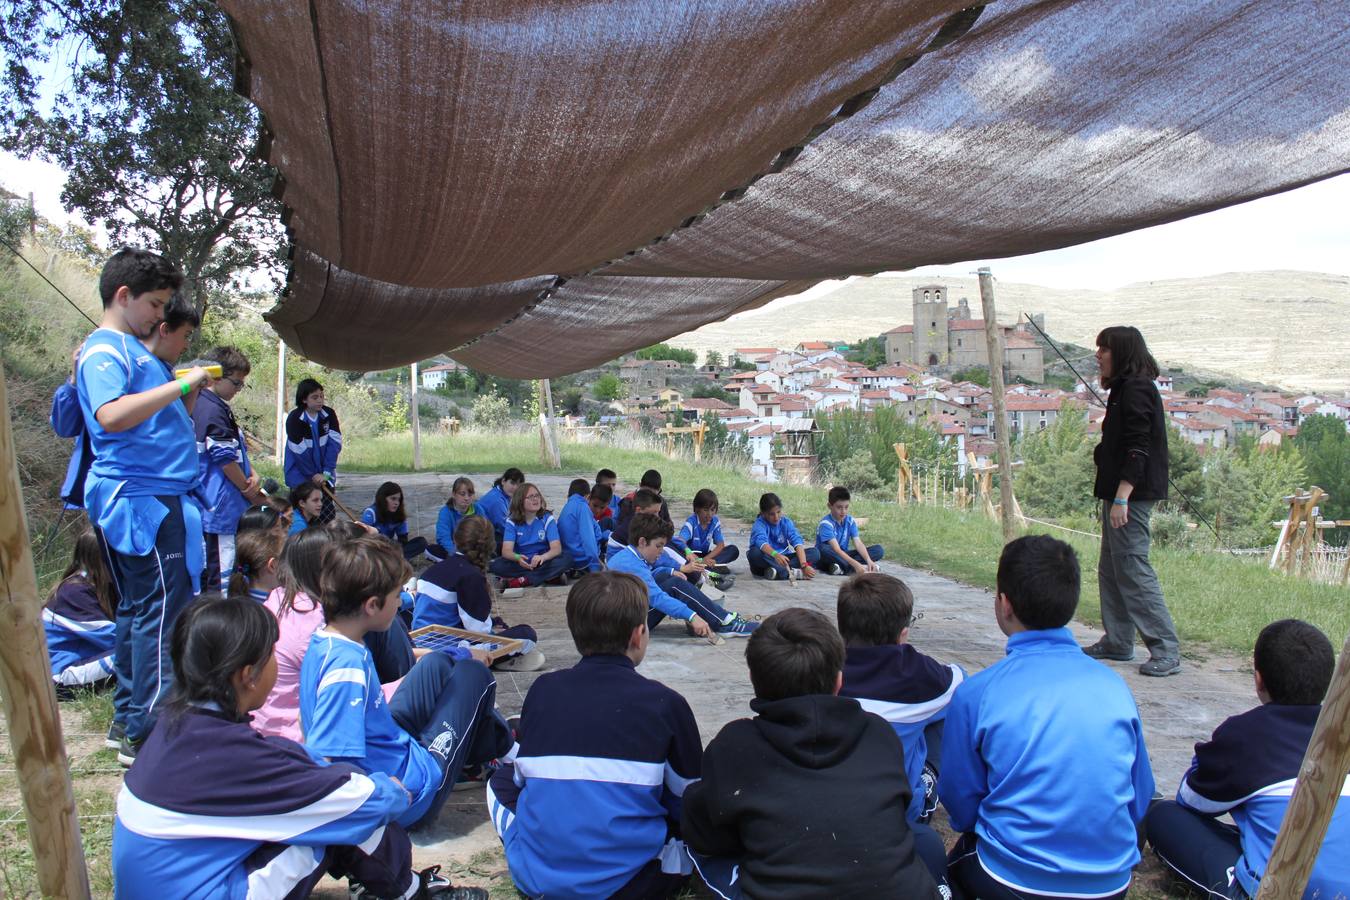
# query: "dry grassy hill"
1282,327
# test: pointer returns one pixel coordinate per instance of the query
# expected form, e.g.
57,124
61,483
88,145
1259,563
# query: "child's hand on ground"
699,627
808,571
873,567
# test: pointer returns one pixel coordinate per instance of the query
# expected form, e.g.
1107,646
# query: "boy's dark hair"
368,566
179,311
306,387
140,271
768,502
579,486
836,494
382,513
1129,354
794,652
705,499
602,493
1040,577
232,362
648,527
603,609
873,609
651,479
646,498
1295,660
606,475
212,640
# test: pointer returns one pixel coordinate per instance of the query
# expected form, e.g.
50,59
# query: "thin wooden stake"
548,441
1320,780
415,419
281,400
30,697
995,349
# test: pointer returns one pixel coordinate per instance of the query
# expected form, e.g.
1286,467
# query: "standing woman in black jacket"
1131,477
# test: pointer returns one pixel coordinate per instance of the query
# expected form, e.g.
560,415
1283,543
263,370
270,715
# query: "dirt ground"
957,625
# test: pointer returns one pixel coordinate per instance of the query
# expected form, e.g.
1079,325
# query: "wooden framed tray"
443,637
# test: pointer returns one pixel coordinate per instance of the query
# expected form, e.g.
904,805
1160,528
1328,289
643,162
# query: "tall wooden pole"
995,347
1325,765
281,400
415,418
30,697
552,457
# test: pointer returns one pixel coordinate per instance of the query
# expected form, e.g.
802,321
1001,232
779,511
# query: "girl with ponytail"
256,555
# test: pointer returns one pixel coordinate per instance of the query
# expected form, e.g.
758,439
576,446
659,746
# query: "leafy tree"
731,446
608,388
569,401
975,375
1057,474
665,351
1325,445
712,358
740,365
1244,495
859,474
846,431
713,392
871,352
491,411
156,144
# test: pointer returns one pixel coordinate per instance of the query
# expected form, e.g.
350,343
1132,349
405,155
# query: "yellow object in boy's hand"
215,371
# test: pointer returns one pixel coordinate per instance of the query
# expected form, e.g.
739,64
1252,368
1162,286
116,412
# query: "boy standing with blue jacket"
1044,770
136,493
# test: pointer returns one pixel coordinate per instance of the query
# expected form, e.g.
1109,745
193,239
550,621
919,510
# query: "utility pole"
996,385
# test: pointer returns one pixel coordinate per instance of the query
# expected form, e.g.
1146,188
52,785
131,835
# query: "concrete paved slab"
957,625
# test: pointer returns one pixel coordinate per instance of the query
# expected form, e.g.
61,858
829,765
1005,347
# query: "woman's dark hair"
300,493
86,564
212,640
301,566
768,502
382,513
306,387
454,488
258,518
513,475
1129,354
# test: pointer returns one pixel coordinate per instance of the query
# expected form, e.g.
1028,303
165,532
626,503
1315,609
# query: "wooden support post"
995,349
414,418
281,400
1320,780
700,431
29,696
548,445
904,476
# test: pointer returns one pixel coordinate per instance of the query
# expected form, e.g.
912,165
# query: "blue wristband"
1120,502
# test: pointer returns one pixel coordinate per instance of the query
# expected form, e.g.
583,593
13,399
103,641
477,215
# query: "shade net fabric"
540,186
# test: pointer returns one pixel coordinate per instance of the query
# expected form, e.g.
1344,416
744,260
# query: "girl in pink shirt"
298,616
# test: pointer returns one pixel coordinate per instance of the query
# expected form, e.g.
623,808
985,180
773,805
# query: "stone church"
949,339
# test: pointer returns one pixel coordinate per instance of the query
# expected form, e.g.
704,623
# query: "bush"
665,351
859,474
608,388
1170,529
491,411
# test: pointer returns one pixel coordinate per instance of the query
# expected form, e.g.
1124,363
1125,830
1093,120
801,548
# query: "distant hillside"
1282,327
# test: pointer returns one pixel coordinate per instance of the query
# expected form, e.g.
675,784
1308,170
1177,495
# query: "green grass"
1217,600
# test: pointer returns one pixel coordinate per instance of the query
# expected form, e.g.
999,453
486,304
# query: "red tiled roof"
902,329
706,403
814,345
737,413
966,325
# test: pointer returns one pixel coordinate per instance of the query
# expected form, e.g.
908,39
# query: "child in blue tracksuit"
579,531
1247,769
137,491
608,516
388,516
496,503
439,719
892,679
776,544
1044,770
212,808
459,505
78,618
531,548
841,548
306,506
590,806
702,536
229,484
676,597
313,442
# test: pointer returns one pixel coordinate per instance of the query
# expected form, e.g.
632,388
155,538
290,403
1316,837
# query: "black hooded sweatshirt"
810,798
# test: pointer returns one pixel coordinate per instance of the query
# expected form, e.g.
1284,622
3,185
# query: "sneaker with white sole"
116,732
769,574
738,627
531,661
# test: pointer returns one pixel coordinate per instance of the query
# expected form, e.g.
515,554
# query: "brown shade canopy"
540,186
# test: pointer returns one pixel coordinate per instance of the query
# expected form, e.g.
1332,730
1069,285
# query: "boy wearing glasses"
229,483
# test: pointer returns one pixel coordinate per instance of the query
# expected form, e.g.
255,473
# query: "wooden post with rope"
30,697
995,349
1320,780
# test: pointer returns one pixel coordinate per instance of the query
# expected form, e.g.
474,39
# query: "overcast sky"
1307,229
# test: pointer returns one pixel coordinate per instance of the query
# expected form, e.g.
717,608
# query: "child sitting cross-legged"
388,516
79,620
776,545
211,808
531,548
459,505
579,531
441,716
1247,769
1044,770
703,541
591,805
457,592
889,677
841,548
677,598
805,800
